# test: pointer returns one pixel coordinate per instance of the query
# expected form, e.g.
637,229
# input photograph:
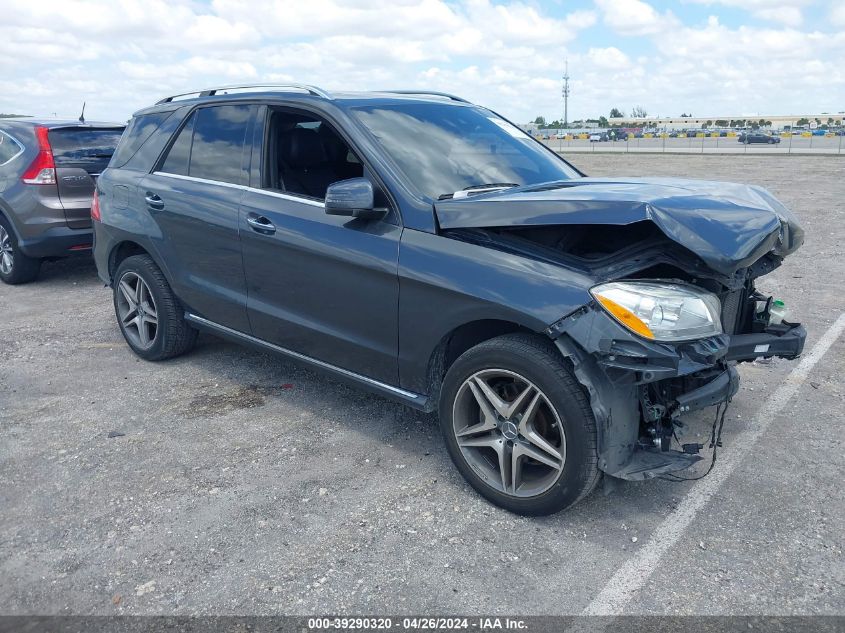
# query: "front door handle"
261,224
154,201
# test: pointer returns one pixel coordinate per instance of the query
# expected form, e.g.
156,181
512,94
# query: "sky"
703,57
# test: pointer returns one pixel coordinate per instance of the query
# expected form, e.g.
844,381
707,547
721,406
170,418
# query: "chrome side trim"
287,196
231,185
275,194
410,395
16,142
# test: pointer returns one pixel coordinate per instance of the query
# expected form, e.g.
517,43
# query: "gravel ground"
232,482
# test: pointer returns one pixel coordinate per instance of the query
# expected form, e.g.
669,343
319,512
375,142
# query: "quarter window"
8,148
140,128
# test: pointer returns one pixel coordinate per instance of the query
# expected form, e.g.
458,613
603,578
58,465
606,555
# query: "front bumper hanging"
784,340
615,366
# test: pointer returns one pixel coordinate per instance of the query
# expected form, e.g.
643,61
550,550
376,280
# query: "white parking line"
633,575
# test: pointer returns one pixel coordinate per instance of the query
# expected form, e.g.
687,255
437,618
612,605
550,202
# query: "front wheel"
518,425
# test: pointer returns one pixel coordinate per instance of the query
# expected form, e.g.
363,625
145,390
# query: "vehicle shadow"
69,270
416,435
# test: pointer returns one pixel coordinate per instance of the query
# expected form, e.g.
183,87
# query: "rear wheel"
518,425
15,267
150,316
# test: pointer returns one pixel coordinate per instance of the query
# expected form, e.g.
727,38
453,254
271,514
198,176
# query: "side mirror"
353,197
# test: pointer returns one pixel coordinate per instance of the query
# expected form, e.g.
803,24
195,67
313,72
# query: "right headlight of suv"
661,311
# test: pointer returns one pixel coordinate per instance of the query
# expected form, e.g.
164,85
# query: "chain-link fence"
702,143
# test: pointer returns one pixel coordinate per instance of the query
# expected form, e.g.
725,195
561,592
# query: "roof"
306,91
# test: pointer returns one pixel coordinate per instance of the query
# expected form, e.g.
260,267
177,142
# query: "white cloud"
837,13
508,54
610,58
788,12
634,17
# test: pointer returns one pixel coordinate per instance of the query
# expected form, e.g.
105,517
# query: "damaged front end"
640,389
673,235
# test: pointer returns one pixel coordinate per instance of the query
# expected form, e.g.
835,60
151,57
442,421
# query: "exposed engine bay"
640,389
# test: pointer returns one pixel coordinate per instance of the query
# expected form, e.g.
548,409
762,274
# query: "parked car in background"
47,174
598,137
561,325
560,136
757,137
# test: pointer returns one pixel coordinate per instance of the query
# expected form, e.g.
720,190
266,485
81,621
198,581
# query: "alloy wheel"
509,433
137,310
6,252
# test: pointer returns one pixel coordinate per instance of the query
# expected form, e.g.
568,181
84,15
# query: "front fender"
445,283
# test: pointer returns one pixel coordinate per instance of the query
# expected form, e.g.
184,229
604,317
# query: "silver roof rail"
270,87
427,93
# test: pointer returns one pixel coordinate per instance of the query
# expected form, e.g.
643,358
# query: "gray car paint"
341,318
47,219
323,285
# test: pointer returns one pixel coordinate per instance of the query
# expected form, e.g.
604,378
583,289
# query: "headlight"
661,311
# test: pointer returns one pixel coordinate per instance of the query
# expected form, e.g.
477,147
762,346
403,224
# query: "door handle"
261,224
154,201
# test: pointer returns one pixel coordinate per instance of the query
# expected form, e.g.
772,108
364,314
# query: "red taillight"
95,207
42,171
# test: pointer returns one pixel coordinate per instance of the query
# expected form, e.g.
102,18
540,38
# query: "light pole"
565,95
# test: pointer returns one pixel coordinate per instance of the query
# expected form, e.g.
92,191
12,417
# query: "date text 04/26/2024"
417,623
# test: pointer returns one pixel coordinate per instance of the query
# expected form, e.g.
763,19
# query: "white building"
778,120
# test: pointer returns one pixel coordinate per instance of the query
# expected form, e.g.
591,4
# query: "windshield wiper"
489,186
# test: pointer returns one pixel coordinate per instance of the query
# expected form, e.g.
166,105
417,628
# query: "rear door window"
177,158
217,151
88,148
211,145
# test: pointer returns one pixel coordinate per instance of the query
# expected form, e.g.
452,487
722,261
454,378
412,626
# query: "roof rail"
429,93
317,92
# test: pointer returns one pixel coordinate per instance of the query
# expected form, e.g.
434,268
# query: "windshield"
443,148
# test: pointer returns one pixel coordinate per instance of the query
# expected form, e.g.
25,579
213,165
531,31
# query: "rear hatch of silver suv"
81,153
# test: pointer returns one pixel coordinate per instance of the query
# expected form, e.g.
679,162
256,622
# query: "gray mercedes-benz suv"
47,174
427,249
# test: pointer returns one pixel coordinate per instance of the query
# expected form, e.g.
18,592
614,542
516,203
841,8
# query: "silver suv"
47,174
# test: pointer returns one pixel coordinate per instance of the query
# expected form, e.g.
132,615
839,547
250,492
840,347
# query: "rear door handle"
154,201
261,224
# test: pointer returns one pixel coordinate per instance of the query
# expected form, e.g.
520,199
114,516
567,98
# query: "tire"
15,267
562,417
140,282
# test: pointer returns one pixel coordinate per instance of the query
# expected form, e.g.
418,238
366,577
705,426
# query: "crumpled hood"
728,225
